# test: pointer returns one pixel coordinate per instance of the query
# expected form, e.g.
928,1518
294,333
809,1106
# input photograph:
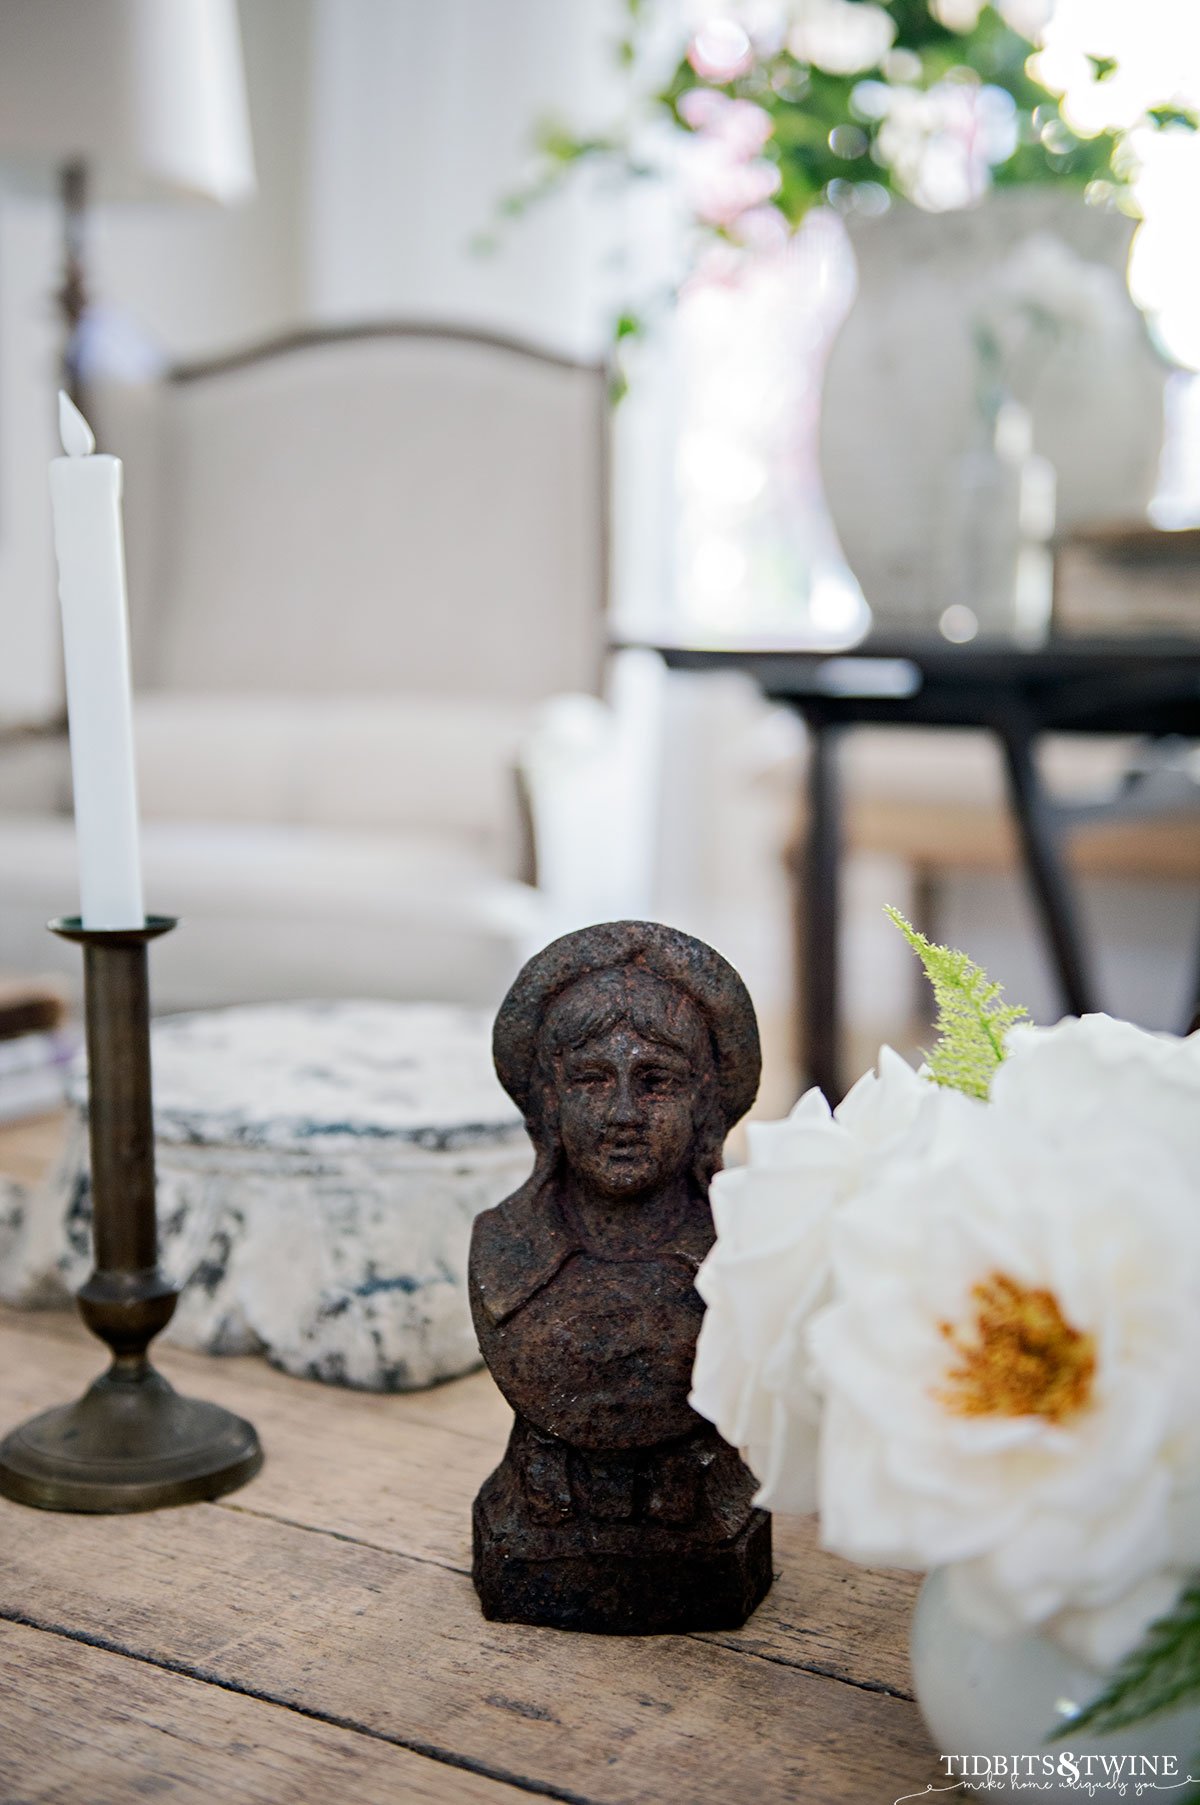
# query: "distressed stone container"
319,1169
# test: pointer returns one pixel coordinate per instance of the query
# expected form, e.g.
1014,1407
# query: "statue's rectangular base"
521,1580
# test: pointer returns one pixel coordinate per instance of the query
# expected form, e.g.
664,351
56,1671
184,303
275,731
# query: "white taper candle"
85,492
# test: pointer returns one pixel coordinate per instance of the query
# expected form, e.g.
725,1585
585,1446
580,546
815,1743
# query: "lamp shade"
151,94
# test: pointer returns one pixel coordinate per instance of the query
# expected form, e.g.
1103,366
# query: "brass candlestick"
131,1442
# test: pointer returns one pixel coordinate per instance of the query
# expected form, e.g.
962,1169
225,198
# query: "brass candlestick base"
131,1442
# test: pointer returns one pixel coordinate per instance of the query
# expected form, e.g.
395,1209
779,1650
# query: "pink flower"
722,191
726,176
762,229
702,108
739,125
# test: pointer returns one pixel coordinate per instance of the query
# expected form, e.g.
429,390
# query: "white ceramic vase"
986,1700
899,395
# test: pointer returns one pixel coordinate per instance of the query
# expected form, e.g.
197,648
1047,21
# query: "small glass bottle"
995,569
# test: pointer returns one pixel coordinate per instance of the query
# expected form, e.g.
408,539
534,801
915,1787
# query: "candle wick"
78,439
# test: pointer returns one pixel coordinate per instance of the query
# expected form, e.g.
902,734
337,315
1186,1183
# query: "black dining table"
1130,685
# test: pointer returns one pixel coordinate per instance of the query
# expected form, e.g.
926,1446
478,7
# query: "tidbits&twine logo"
1091,1776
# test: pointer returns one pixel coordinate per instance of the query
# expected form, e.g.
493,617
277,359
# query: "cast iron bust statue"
631,1049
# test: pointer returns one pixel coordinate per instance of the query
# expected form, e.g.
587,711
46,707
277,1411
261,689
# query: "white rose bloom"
1094,1074
1092,1070
1011,1364
769,1270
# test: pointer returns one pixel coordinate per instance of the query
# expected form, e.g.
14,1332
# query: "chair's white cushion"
443,768
275,912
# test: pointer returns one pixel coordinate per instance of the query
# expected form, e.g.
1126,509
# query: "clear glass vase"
758,554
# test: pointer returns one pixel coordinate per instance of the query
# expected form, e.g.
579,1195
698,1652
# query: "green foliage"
972,1022
558,144
1162,1673
1182,117
829,145
808,104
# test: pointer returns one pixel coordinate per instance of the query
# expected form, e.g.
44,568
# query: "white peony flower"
769,1269
1011,1362
1092,1070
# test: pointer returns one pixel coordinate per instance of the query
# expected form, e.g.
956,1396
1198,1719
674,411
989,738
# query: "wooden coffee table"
315,1637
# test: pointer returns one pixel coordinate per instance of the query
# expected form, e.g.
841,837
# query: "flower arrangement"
765,109
931,100
959,1316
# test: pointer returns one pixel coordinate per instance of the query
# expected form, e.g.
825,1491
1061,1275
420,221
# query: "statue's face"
626,1113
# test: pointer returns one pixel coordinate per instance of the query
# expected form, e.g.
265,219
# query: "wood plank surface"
396,1647
333,1592
83,1726
315,1637
821,1614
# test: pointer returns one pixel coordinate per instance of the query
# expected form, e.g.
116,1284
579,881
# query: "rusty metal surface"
631,1049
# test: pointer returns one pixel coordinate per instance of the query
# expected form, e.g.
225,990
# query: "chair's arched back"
380,510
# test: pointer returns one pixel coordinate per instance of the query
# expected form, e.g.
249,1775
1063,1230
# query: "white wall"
186,281
28,631
385,131
421,120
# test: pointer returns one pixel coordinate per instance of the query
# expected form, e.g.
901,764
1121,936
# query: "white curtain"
422,120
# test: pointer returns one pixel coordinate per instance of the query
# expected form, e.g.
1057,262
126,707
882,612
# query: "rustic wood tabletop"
315,1636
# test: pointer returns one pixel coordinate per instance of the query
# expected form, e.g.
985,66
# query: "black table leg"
820,1026
1053,895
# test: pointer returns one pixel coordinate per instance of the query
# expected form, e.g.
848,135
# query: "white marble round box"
319,1169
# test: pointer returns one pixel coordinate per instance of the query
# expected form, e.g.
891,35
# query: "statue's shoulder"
516,1249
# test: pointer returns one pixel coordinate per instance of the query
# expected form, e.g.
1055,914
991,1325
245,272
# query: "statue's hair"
624,996
684,964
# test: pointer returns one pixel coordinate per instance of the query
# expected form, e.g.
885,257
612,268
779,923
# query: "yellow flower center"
1021,1358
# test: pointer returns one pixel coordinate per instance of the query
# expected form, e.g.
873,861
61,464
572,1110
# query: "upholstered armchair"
360,564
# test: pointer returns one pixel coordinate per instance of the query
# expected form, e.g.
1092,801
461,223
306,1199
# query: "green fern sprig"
1162,1673
972,1022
